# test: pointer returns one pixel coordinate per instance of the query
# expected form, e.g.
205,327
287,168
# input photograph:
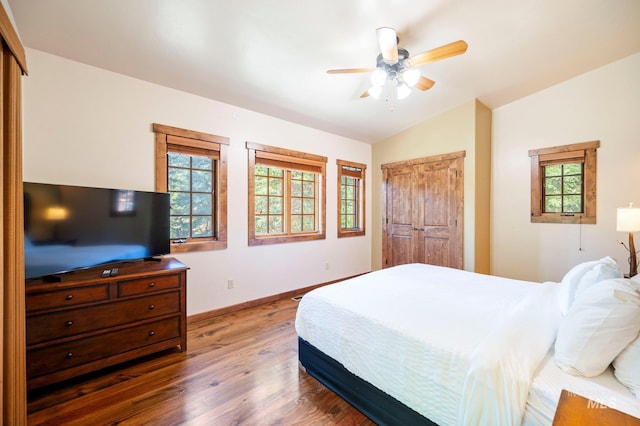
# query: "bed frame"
366,398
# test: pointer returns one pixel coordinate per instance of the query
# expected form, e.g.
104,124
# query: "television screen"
70,227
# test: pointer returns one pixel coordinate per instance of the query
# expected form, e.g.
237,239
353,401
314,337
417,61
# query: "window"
563,183
286,195
192,167
351,199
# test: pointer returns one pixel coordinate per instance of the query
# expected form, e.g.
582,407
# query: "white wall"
601,105
88,126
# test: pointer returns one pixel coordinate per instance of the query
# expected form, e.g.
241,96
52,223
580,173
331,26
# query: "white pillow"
604,319
582,276
627,367
636,278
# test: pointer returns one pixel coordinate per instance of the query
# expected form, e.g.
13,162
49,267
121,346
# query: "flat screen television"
74,227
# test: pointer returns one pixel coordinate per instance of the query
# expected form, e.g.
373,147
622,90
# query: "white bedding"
463,351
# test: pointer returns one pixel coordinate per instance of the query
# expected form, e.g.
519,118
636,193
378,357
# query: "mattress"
439,356
550,380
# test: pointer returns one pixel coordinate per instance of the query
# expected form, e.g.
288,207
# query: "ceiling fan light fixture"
388,41
378,77
403,90
410,76
375,92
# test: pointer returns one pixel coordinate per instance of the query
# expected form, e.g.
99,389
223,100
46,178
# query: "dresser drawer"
66,297
44,327
146,285
67,355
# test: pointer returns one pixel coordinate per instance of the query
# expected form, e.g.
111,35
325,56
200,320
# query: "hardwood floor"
240,369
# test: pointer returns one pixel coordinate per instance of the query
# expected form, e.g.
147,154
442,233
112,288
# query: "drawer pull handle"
152,333
152,284
68,323
69,296
152,307
69,355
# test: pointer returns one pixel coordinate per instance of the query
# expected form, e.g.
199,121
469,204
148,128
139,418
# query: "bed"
422,344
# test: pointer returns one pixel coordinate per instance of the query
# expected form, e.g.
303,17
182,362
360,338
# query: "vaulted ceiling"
271,56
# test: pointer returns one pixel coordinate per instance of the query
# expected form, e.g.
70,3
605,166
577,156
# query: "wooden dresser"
88,321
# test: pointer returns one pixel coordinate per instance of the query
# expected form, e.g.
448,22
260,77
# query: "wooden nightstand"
575,410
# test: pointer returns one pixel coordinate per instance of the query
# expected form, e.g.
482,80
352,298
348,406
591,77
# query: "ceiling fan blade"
424,83
350,70
442,52
388,41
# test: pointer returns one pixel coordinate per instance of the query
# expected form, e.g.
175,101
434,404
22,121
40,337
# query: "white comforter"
457,347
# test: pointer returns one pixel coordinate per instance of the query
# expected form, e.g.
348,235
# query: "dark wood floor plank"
241,369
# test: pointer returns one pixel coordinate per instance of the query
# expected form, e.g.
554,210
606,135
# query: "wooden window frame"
173,139
287,159
361,197
586,153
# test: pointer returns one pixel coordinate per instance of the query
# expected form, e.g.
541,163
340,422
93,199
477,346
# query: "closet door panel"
399,241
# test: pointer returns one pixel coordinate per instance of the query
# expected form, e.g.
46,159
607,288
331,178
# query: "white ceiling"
271,56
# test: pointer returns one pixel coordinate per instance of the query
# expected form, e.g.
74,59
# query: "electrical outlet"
229,284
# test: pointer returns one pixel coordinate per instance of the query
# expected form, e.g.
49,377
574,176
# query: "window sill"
197,246
557,218
265,240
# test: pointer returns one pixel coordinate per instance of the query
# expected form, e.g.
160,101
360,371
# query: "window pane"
275,224
275,187
348,222
261,170
296,188
201,181
261,224
553,204
261,204
573,184
309,176
202,163
296,206
308,206
350,207
308,189
553,186
350,192
179,179
573,203
179,160
180,203
276,172
573,169
296,174
201,226
275,205
554,170
202,204
261,185
308,223
179,227
296,223
191,194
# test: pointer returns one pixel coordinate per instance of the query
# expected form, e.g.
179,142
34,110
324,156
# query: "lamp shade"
628,219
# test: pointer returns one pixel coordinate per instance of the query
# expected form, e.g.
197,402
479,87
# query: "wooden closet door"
399,236
439,221
423,220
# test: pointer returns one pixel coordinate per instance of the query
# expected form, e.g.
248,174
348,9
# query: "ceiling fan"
394,65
